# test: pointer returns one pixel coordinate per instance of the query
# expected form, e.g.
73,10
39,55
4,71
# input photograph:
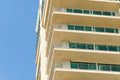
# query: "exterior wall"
43,56
65,63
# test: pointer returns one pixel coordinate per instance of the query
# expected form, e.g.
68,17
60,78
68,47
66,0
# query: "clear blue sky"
18,39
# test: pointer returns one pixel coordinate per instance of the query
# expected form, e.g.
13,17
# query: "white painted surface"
66,64
43,56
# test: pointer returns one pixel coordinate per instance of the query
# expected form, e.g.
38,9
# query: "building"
78,40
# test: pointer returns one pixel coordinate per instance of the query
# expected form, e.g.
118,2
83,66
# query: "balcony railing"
66,45
91,68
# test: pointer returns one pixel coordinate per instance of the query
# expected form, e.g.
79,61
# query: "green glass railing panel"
69,10
116,30
95,29
83,66
119,48
99,29
74,65
86,11
101,47
115,68
91,12
81,46
90,46
104,67
97,12
92,66
113,14
88,28
112,48
107,13
70,27
72,45
77,11
110,30
79,28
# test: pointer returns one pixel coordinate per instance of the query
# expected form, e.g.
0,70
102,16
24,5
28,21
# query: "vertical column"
65,45
43,54
66,64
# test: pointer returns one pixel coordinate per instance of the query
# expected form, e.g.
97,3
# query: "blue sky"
18,39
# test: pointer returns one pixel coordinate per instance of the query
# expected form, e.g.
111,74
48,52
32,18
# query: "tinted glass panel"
112,48
97,12
70,27
72,45
99,29
116,30
83,66
90,46
113,14
104,67
109,30
119,48
79,28
92,66
69,10
115,68
107,13
101,47
86,11
81,46
77,11
88,28
74,65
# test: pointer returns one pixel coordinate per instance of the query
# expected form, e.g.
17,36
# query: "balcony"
72,74
61,52
98,5
64,72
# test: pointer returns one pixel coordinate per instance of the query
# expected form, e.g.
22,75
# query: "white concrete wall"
59,9
43,55
66,64
60,26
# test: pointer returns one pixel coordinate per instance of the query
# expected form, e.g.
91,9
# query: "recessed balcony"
63,52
